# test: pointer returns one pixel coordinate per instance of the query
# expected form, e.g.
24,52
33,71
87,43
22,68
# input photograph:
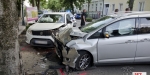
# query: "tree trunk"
131,3
9,47
72,7
38,4
33,3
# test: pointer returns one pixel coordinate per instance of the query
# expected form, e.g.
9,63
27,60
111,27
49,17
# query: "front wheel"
83,61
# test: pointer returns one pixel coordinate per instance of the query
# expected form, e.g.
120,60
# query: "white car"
39,34
73,19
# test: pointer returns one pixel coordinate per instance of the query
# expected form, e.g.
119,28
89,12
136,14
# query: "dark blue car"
78,16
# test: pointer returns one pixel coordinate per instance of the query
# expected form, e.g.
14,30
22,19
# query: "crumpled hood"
77,32
45,26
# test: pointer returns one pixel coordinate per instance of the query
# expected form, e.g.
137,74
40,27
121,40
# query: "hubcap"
84,61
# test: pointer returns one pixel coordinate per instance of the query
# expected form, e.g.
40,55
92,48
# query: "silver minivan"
117,38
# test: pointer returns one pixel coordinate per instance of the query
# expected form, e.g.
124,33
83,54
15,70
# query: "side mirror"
106,34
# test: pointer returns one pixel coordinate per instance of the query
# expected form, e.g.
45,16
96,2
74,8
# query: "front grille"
42,33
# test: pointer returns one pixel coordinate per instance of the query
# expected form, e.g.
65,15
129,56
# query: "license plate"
41,42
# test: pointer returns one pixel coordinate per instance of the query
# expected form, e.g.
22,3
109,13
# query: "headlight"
29,31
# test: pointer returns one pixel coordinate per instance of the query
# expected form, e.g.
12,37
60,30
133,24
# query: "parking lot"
33,63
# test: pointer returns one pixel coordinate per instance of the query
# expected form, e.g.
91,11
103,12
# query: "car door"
121,44
143,45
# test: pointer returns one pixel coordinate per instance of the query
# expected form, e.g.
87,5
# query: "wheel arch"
92,62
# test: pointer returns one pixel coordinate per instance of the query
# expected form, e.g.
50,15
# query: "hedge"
89,19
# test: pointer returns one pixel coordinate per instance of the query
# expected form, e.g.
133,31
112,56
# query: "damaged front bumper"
68,55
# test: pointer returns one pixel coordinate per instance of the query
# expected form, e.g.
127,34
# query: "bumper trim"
50,42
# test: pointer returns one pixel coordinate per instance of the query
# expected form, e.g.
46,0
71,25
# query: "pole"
103,9
23,23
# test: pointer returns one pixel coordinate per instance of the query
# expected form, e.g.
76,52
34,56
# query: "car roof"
130,13
56,13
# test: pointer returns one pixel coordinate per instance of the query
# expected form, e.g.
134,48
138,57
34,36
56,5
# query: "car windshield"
52,18
96,24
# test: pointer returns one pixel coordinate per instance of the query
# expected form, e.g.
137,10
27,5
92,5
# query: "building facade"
111,5
97,7
105,7
141,5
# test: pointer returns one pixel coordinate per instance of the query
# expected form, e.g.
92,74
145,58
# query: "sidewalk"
21,27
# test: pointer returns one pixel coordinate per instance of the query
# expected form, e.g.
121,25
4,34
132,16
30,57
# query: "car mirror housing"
106,34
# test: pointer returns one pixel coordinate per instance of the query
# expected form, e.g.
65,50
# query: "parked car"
73,19
78,16
39,34
113,39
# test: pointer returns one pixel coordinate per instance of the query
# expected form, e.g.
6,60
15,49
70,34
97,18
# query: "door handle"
145,39
129,41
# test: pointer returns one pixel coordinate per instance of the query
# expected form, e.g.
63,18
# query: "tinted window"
51,18
121,28
96,35
144,26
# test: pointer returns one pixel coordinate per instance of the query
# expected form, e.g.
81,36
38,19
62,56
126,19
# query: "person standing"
116,11
83,18
127,9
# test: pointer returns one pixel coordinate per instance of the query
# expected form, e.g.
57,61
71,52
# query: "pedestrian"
127,10
83,18
116,10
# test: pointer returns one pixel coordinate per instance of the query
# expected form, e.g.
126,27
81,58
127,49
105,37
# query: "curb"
21,28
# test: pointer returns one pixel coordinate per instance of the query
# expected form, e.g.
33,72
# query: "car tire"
84,59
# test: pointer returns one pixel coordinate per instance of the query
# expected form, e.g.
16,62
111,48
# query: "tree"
32,2
130,4
88,1
37,3
54,5
9,47
69,4
43,4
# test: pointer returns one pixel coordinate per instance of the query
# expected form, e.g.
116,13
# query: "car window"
68,17
121,28
96,24
144,26
52,18
98,34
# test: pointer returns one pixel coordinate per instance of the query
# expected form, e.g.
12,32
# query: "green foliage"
54,5
89,19
130,4
38,3
43,4
69,4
